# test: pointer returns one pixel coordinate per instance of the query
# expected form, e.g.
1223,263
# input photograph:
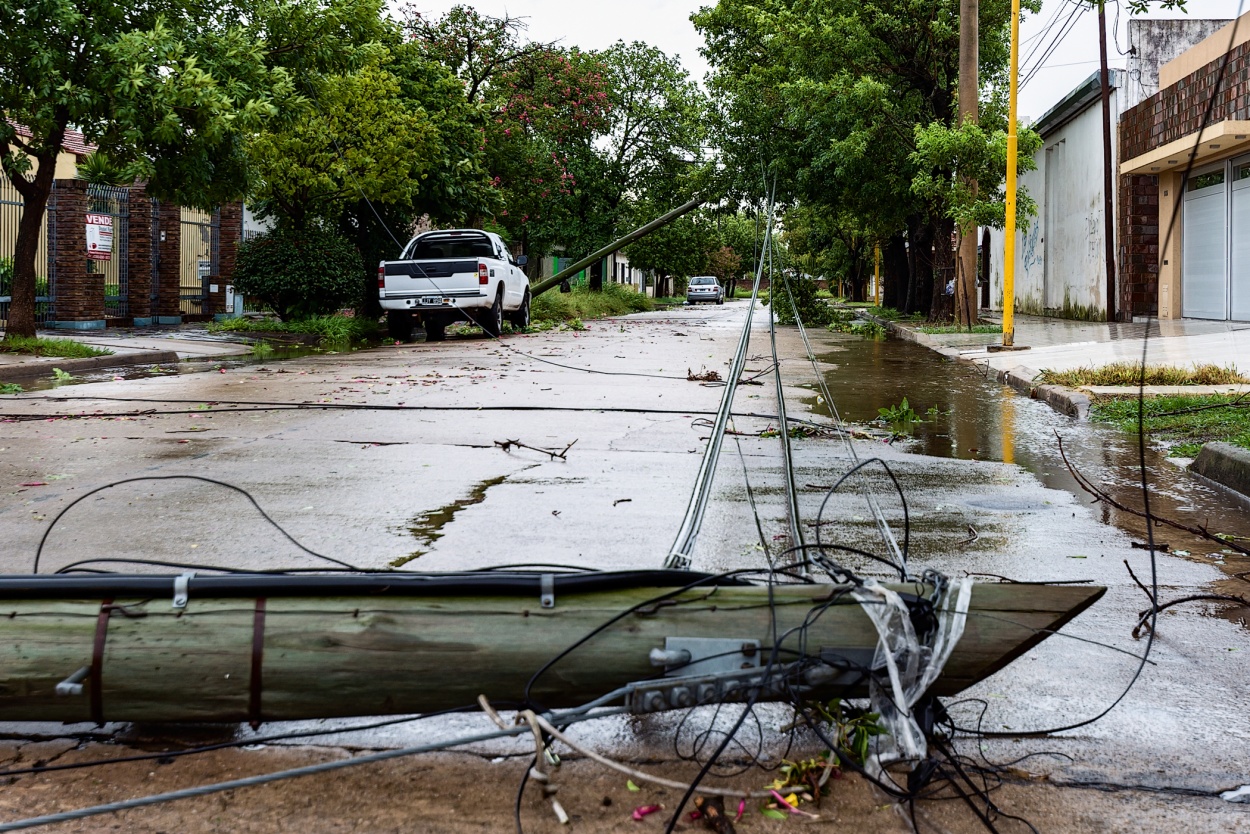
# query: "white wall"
1154,42
1061,257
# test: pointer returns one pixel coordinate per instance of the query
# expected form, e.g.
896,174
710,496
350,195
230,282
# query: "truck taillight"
482,273
381,277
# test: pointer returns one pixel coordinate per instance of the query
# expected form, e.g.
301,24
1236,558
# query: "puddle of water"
985,420
427,528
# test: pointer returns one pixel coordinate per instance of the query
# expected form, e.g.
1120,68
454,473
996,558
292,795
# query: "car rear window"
446,247
702,280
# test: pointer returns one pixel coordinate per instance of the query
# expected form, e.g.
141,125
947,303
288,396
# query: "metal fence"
12,206
113,202
200,258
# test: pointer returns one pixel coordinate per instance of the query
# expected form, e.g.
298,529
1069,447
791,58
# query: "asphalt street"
429,486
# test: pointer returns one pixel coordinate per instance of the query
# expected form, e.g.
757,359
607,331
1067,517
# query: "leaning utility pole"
969,91
1107,179
599,255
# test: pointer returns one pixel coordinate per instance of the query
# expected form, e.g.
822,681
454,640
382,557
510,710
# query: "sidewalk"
1061,345
129,346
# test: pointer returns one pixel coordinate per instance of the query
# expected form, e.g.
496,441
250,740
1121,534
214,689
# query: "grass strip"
39,346
335,328
553,308
938,329
1181,423
1129,373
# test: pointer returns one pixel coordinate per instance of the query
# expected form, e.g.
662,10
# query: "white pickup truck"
450,276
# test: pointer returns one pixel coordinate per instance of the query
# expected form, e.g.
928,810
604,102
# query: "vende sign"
100,237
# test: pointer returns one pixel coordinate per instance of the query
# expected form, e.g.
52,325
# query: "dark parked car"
704,288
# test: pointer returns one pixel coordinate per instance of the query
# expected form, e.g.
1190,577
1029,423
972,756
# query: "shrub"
299,273
6,280
553,307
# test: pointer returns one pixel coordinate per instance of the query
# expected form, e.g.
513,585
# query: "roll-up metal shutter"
1204,271
1239,239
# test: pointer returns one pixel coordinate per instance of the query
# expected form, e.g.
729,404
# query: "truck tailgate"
408,278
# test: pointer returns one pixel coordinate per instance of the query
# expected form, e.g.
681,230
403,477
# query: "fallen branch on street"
507,445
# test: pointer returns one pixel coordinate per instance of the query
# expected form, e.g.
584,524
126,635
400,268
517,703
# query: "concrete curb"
1225,465
40,366
1067,401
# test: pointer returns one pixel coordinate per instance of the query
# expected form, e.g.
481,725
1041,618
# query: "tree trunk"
596,276
943,305
354,226
919,265
21,321
894,272
969,90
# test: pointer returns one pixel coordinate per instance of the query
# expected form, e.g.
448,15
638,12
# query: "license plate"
431,300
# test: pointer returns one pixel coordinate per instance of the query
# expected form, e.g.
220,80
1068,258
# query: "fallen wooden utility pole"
256,647
643,231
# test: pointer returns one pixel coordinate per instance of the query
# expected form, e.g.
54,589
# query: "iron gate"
113,202
200,258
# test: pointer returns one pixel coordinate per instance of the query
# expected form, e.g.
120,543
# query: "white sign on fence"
100,237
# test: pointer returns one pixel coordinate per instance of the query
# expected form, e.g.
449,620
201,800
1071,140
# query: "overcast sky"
666,24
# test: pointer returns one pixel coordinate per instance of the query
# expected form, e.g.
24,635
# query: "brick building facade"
1161,207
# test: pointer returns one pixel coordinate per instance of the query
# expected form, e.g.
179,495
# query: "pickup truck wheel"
521,318
435,329
399,325
492,322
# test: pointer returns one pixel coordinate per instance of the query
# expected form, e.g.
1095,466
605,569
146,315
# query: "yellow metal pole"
876,271
1009,244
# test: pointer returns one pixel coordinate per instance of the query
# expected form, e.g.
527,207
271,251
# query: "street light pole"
1009,244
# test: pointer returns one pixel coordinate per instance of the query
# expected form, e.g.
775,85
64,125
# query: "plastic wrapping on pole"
911,667
1009,233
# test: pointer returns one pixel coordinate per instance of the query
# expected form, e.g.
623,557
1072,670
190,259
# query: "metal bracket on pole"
547,590
182,592
73,684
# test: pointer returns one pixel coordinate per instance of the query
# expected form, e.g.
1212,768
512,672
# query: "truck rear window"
429,249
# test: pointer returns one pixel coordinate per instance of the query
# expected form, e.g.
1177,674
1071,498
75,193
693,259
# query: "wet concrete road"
430,490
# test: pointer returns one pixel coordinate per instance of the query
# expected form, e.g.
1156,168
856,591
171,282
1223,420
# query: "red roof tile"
74,142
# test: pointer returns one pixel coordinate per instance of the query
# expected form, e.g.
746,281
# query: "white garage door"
1204,281
1239,290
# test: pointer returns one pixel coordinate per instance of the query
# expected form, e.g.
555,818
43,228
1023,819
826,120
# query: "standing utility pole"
969,91
1108,179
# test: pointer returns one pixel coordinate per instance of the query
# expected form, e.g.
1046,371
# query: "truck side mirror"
521,260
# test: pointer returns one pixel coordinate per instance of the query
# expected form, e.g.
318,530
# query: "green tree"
540,108
822,98
972,153
359,141
676,251
166,88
